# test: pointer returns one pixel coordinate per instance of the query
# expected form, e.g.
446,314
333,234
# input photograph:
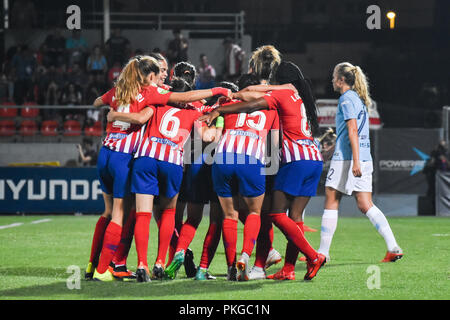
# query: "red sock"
251,231
186,235
291,253
120,257
110,244
210,244
264,243
97,240
229,240
293,233
165,234
141,234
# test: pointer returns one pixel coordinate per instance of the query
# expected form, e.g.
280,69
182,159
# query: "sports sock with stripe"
293,233
97,239
291,253
141,234
166,228
120,257
210,244
110,243
229,233
380,222
329,224
251,231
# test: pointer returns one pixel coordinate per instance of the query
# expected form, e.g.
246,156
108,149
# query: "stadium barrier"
50,190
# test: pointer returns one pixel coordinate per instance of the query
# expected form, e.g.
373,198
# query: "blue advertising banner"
50,190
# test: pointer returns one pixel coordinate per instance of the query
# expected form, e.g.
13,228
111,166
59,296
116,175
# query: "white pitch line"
11,225
40,221
441,234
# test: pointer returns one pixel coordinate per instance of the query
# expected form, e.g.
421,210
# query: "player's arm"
239,107
196,95
269,87
98,102
354,143
248,95
83,157
135,117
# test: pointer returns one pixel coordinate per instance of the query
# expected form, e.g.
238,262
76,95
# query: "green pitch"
35,259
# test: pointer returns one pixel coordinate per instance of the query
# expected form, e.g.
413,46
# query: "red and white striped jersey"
123,136
298,143
166,133
246,133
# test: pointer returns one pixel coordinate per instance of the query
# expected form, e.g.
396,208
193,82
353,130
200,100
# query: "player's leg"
251,230
179,213
296,210
170,179
165,232
273,256
144,209
222,175
99,233
119,262
119,167
329,220
111,241
297,179
229,234
379,221
211,240
144,183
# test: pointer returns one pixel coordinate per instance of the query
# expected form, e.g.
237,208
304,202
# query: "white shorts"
341,178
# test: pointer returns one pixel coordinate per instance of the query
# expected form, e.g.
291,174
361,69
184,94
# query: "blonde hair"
356,79
264,61
133,77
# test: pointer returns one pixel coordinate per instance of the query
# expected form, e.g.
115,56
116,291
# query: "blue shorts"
152,176
114,171
246,171
299,178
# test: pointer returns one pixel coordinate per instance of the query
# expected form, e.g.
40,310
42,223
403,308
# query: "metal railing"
206,23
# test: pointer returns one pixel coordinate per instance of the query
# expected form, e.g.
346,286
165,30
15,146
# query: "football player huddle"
250,149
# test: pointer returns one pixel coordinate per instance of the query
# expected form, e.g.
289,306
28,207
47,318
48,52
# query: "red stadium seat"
8,112
28,128
7,128
49,128
95,130
29,112
72,128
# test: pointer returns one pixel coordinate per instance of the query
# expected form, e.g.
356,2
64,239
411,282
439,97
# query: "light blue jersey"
350,106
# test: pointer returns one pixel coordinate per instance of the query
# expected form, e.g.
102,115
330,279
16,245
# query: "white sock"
329,224
382,225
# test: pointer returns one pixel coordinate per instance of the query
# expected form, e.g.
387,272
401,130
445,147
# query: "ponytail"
361,86
356,79
133,77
